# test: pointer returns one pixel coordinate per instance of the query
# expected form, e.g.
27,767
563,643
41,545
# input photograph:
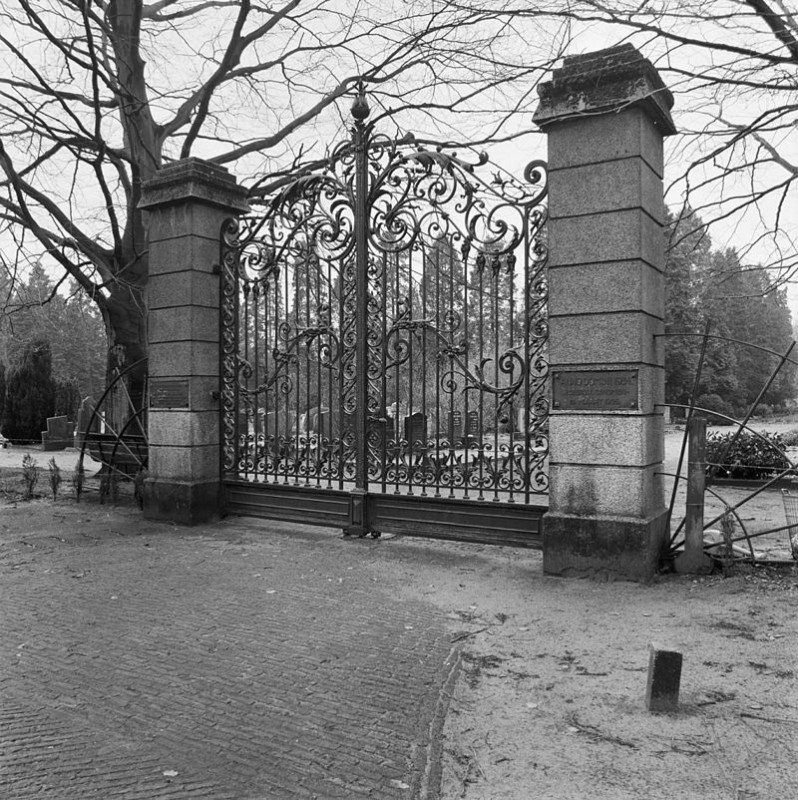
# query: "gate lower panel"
325,507
514,524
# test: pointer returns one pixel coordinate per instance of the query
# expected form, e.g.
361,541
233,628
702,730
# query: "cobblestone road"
146,661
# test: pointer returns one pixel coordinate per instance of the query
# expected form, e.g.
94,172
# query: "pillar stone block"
187,201
612,286
605,115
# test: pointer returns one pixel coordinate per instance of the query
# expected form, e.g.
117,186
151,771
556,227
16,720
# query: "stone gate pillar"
605,115
187,202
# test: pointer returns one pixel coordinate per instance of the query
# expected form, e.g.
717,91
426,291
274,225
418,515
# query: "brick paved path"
144,661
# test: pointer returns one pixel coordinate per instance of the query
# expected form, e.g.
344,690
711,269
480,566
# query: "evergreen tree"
35,310
29,393
686,249
66,399
438,298
752,313
706,286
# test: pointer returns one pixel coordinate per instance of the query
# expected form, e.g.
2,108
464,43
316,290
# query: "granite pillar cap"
605,82
193,179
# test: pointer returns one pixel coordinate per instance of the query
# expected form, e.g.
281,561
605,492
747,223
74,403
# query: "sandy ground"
550,703
552,700
11,459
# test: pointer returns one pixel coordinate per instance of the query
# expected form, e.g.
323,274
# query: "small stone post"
605,114
187,203
664,679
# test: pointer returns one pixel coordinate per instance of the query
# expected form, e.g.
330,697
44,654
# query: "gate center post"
605,114
358,504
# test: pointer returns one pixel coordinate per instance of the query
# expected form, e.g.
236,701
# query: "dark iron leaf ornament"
397,286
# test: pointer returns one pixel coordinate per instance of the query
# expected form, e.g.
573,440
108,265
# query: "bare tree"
733,66
97,95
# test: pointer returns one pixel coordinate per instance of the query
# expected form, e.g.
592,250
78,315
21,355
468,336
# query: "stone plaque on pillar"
169,393
595,390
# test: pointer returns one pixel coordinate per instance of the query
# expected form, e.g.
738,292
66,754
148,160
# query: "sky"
733,232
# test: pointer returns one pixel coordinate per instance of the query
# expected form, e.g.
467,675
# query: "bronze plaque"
595,390
169,393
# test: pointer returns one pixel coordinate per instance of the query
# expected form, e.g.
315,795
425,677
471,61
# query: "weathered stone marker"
59,434
664,676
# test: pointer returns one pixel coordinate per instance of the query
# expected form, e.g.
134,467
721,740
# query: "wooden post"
693,559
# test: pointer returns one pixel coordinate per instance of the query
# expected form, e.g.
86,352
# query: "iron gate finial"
360,106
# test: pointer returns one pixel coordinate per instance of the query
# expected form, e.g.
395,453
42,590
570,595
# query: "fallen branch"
460,637
769,719
596,735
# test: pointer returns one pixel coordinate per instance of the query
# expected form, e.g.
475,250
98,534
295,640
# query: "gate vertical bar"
391,221
358,523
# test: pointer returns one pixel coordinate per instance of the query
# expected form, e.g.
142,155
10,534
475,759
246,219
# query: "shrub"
30,474
714,402
751,457
29,394
790,438
54,476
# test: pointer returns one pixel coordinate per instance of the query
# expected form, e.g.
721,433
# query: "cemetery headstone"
416,428
455,428
378,433
472,425
59,434
85,412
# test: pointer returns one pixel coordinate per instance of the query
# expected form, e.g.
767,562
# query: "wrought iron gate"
384,346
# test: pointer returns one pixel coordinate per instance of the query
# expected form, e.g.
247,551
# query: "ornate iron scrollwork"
421,350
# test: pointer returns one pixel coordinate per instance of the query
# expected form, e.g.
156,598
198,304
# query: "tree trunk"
125,312
126,325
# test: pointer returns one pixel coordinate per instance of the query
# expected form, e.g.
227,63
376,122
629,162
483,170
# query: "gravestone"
519,434
318,420
416,428
59,434
455,427
394,413
472,425
378,433
85,412
278,423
